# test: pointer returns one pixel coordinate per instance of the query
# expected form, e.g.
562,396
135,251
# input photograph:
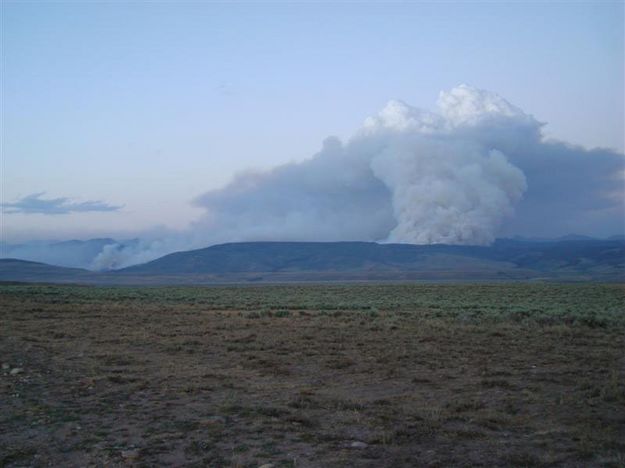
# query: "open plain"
313,375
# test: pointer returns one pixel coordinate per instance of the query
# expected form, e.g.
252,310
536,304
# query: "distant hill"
72,253
506,259
12,269
568,237
323,260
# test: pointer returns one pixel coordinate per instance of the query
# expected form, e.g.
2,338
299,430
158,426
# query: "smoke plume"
412,176
407,176
477,168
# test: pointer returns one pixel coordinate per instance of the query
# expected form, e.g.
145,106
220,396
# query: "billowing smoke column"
407,176
413,176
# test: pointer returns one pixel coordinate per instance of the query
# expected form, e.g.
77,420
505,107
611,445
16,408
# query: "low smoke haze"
476,165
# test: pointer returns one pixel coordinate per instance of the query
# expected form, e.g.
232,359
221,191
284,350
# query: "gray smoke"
412,176
478,168
407,176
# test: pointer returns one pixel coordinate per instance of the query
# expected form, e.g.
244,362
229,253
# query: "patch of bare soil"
144,384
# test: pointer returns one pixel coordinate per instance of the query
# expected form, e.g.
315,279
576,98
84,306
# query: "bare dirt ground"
497,375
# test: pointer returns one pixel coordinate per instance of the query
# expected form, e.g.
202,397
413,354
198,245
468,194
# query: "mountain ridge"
506,259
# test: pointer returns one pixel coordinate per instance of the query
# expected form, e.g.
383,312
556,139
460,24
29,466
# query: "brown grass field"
319,375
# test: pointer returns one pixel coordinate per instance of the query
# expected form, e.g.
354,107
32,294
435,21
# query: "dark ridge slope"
579,260
294,256
12,269
578,256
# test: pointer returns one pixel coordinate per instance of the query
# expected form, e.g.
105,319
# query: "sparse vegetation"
304,375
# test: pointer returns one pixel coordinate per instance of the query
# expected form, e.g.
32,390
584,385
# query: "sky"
117,116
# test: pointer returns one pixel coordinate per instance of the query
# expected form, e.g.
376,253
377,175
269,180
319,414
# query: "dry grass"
240,377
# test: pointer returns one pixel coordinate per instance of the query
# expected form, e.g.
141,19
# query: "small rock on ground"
358,445
130,454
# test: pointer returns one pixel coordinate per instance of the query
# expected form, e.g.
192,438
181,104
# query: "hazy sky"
147,105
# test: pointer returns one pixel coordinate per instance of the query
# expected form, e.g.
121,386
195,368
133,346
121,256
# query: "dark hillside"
21,270
578,260
605,258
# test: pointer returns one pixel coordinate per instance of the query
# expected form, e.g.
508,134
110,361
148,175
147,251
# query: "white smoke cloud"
114,256
477,168
408,176
448,193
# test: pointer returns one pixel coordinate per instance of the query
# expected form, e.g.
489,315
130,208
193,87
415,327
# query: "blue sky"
145,106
